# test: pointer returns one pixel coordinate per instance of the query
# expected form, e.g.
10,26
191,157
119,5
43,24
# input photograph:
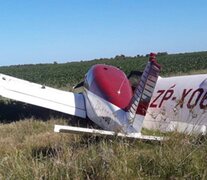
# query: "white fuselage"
108,116
179,103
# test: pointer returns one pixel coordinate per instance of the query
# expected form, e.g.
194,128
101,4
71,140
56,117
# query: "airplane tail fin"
143,93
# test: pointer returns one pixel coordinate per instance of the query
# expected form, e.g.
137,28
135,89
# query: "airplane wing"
40,95
80,130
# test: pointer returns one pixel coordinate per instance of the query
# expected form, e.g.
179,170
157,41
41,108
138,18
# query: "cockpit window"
134,78
88,79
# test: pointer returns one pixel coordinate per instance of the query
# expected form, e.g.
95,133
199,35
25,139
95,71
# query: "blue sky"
44,31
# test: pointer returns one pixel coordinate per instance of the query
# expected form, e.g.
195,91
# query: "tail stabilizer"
143,93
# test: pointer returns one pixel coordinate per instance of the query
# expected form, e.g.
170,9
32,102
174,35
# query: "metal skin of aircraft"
165,104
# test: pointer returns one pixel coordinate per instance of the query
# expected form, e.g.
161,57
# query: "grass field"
29,149
68,74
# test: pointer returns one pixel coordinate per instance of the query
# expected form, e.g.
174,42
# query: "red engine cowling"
110,83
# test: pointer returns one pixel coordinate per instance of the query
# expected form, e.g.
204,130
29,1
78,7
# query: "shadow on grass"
45,152
12,111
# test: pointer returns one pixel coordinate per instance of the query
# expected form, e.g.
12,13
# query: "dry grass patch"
31,150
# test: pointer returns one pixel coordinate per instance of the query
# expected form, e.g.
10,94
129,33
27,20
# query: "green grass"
29,149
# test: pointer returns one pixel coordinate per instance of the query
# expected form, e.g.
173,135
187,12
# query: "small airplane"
118,107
